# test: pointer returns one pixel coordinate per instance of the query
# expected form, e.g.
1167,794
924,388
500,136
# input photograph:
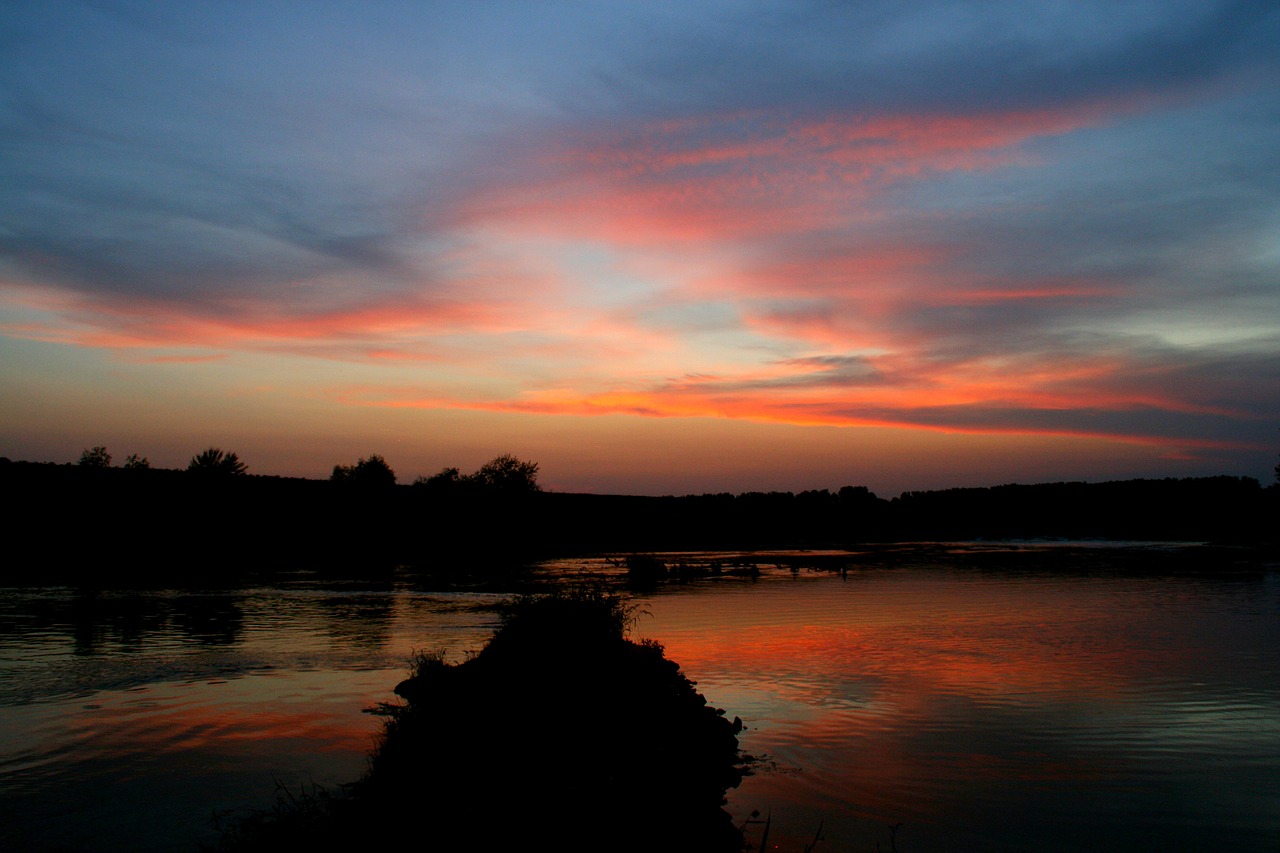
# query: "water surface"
981,709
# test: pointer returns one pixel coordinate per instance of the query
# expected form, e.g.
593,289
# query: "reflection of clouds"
154,761
159,724
915,662
991,706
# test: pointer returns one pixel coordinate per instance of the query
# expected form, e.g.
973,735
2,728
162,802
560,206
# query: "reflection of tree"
93,619
132,621
214,620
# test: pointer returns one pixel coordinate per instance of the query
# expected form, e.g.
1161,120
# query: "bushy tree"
135,461
371,470
215,461
508,474
95,457
502,474
447,477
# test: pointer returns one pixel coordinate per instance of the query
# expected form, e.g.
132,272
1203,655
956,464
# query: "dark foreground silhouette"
92,525
560,734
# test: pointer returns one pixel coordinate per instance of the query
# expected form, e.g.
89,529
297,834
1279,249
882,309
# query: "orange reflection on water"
940,698
915,640
219,722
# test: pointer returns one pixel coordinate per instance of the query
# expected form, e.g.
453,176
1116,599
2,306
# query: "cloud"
733,177
1125,394
950,217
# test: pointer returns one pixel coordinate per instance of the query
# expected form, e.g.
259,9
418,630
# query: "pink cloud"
738,176
332,319
710,210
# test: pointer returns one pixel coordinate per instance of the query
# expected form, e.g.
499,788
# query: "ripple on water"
986,711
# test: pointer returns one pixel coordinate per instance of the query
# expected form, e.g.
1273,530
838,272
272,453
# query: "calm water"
982,710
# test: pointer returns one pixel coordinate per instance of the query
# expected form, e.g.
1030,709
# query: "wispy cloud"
982,219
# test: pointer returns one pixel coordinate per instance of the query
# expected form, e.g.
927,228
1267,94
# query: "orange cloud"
932,403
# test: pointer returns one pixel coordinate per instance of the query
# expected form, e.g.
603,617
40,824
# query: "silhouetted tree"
95,457
446,478
856,494
508,474
214,461
133,460
372,470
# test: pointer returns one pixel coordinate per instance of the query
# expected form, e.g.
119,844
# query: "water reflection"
986,711
143,767
1009,709
361,620
211,619
130,716
119,621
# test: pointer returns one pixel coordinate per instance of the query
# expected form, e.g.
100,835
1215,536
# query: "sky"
659,248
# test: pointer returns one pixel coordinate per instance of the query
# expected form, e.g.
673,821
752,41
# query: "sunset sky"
656,247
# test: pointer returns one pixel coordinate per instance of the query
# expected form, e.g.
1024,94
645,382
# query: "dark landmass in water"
82,524
561,734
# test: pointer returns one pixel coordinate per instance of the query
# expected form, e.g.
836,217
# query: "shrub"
215,461
95,457
371,470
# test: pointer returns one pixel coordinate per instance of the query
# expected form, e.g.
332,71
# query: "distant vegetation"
505,474
370,470
95,457
134,461
217,463
216,518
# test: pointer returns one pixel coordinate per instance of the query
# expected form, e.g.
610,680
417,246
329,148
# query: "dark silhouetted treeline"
87,521
1201,508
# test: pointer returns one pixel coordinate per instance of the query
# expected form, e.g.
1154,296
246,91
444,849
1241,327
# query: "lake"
982,697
